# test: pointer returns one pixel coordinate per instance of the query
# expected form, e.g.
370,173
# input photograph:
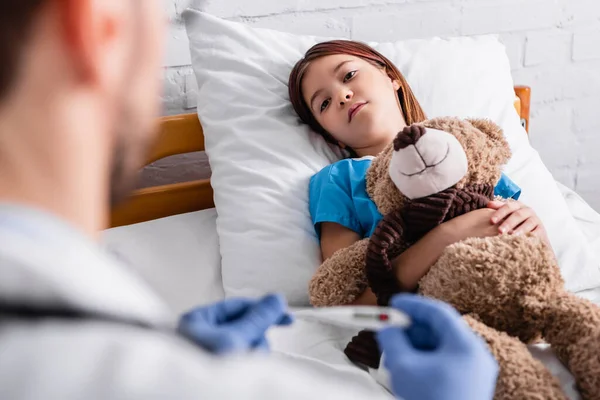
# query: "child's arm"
341,279
416,261
335,237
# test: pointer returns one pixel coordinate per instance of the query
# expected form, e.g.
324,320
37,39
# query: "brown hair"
410,106
16,17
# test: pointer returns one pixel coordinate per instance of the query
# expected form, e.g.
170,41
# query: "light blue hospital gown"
338,194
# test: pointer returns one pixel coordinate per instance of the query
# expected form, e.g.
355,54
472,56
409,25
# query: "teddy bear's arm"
341,279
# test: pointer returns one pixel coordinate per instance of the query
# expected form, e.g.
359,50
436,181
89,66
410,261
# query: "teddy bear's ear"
495,133
488,127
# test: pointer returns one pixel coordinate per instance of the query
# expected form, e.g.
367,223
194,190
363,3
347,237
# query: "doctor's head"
81,76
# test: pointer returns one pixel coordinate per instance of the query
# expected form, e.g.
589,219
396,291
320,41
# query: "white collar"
44,260
364,158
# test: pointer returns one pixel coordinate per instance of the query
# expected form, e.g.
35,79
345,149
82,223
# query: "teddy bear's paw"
520,376
584,364
573,331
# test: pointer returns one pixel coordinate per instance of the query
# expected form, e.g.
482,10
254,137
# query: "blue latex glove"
438,357
235,325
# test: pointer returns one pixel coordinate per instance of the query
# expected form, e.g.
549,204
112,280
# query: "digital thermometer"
359,317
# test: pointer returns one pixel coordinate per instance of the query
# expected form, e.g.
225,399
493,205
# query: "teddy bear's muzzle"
426,161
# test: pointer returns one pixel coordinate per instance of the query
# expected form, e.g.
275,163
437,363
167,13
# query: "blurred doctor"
79,97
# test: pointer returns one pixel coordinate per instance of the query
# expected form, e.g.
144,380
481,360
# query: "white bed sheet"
587,219
179,257
316,345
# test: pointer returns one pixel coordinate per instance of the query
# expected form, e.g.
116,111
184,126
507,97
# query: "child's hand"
517,219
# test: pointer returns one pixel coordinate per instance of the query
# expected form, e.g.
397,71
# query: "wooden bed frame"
182,134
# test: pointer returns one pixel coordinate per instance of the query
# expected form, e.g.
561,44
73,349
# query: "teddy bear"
508,288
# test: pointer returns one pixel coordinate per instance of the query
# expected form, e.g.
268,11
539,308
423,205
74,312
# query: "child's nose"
346,98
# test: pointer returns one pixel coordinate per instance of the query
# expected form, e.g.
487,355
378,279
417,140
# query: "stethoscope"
26,312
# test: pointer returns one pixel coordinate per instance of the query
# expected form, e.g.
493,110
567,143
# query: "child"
357,99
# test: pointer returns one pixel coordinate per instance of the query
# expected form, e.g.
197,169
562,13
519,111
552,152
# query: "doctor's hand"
438,356
235,325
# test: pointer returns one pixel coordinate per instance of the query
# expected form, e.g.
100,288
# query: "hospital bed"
168,235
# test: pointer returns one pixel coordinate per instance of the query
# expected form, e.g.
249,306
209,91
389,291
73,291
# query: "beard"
121,181
129,153
135,130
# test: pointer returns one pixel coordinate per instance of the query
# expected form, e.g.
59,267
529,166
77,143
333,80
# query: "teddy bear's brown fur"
509,288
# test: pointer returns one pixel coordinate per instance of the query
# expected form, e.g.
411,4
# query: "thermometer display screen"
378,317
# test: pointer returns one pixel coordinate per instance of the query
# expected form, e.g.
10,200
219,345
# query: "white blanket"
587,219
320,347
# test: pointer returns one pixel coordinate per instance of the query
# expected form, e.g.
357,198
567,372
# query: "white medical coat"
44,262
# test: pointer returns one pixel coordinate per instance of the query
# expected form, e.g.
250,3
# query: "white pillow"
262,157
178,256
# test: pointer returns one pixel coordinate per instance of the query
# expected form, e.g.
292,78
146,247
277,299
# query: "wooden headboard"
179,134
182,134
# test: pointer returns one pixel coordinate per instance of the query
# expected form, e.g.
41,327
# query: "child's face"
354,100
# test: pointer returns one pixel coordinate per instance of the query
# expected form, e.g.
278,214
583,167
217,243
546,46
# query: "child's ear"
396,85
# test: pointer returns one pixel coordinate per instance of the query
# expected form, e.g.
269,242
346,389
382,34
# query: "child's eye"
349,75
324,105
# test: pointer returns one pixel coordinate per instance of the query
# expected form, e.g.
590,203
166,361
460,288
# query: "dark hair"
16,17
411,108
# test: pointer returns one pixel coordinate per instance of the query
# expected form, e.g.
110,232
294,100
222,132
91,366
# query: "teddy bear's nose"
409,136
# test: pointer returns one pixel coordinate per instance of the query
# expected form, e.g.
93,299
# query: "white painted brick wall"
480,17
553,45
407,21
585,45
548,48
